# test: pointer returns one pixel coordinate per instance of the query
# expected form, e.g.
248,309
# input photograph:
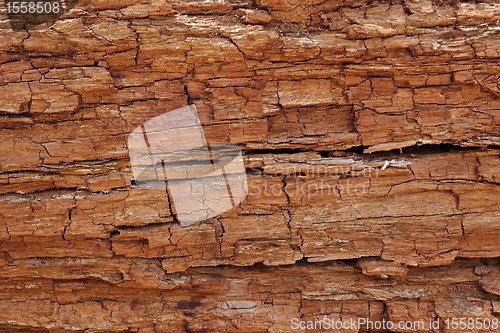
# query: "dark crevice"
360,150
356,149
277,151
324,154
436,148
151,225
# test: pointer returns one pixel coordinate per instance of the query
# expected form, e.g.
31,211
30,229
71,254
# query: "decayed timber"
370,133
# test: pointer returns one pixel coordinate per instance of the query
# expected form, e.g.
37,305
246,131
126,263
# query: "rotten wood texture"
370,132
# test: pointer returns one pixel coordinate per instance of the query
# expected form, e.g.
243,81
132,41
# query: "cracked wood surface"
370,133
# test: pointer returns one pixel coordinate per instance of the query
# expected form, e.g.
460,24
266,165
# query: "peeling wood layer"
370,133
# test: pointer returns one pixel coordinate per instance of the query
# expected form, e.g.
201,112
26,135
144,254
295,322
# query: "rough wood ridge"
370,131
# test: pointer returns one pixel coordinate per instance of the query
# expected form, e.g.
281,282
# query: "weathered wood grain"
370,133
